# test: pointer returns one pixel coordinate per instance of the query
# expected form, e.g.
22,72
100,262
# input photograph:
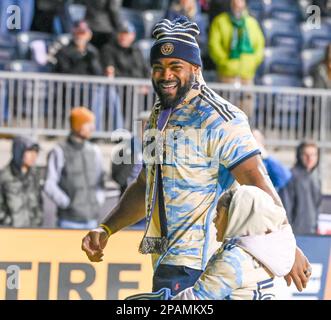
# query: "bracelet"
106,228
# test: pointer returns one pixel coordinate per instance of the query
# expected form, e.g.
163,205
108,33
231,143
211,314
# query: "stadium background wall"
49,264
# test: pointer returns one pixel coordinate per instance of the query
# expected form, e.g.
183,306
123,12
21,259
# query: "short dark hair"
226,198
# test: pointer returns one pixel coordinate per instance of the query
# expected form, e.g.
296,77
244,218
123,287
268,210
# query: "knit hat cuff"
176,49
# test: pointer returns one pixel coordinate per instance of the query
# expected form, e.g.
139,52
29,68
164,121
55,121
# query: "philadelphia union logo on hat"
167,49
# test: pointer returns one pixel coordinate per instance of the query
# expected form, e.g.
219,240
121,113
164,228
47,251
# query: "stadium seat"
76,11
24,40
282,33
286,10
282,60
135,17
3,64
145,46
310,58
7,47
256,9
280,80
316,38
23,66
150,18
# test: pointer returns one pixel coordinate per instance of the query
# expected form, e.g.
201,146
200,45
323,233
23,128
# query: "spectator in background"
190,9
103,16
322,73
121,58
302,195
217,7
278,173
236,45
79,56
75,177
20,191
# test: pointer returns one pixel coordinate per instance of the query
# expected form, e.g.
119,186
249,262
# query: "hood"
253,212
275,250
299,150
257,223
20,145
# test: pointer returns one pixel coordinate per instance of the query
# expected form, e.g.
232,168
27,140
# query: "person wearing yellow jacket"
236,45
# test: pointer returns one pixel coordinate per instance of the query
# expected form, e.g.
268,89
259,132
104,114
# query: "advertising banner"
49,264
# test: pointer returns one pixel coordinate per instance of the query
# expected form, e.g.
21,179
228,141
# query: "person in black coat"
121,58
79,56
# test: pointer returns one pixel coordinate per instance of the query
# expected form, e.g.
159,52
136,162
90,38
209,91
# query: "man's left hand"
300,272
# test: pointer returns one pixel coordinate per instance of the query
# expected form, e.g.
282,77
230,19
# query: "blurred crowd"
75,179
242,42
253,41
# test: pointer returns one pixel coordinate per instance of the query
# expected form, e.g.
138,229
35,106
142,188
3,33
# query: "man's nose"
167,74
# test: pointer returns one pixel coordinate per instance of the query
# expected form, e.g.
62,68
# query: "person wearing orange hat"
75,176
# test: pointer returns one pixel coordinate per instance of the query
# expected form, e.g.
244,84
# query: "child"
257,246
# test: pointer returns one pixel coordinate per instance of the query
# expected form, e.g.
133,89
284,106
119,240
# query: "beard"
169,101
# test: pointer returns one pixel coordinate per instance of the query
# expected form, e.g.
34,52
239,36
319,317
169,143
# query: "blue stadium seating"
23,66
282,33
145,46
287,10
7,47
282,60
310,58
280,80
24,40
150,18
256,9
135,17
76,11
316,38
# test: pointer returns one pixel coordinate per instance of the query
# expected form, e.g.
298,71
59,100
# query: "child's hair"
226,198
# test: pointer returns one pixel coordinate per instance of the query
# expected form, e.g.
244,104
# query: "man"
207,144
20,192
79,56
121,58
302,196
75,178
236,45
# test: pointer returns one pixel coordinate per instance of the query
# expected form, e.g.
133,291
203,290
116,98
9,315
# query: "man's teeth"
167,86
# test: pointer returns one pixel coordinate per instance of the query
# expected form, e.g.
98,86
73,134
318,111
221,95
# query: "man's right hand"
94,243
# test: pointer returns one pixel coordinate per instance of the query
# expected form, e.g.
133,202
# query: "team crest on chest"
167,49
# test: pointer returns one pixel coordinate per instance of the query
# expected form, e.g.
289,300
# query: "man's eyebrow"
175,62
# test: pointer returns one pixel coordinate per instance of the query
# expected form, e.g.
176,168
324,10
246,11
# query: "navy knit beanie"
176,39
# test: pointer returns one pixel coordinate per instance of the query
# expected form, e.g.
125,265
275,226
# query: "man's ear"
196,69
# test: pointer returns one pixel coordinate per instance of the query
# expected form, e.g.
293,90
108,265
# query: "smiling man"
196,146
